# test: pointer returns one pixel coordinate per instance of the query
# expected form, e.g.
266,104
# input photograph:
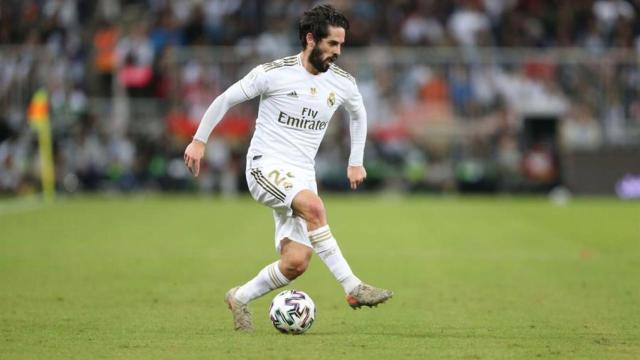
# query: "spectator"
608,12
419,28
469,26
104,42
580,131
411,97
135,56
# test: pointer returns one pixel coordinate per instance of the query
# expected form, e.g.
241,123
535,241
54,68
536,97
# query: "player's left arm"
356,172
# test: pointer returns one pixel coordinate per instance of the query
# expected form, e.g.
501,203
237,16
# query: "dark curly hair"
317,20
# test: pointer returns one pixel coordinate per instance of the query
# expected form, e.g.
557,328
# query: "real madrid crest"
331,99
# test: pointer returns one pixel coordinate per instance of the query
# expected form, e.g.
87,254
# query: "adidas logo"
293,94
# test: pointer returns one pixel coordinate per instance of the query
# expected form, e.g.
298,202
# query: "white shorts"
275,185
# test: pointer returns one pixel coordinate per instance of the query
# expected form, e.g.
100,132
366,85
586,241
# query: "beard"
315,58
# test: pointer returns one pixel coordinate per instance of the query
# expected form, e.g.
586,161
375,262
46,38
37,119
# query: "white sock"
327,248
268,279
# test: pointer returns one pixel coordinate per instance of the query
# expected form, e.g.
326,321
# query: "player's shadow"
414,333
432,334
475,334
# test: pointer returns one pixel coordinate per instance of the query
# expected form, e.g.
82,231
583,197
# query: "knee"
295,265
316,215
310,207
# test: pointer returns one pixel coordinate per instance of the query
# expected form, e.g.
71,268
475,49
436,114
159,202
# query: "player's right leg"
294,260
238,298
309,206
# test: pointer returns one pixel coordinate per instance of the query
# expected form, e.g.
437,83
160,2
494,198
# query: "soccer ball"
292,312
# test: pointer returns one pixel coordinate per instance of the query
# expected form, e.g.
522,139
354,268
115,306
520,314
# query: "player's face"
327,49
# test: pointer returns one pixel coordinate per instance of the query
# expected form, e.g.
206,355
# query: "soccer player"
298,96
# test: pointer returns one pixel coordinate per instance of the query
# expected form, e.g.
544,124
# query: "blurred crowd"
454,101
511,23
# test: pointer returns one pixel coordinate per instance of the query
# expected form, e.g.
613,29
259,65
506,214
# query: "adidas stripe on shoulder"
338,71
286,61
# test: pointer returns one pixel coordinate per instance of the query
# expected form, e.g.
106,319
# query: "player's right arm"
249,87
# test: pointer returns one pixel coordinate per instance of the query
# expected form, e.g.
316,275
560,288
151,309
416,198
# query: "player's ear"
310,40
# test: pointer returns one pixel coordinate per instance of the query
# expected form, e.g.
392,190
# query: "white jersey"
295,109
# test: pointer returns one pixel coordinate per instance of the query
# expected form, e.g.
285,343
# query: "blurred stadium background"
469,96
513,96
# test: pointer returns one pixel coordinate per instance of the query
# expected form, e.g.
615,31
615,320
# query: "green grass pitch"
476,278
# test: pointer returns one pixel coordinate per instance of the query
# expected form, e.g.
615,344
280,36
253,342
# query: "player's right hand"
192,156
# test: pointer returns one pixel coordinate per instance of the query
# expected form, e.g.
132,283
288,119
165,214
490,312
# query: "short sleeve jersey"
296,107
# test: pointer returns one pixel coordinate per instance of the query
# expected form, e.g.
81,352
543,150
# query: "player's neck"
304,56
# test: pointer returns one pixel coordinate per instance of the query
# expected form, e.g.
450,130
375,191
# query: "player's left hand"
356,175
192,156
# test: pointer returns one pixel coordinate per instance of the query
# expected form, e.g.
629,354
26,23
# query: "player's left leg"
309,206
